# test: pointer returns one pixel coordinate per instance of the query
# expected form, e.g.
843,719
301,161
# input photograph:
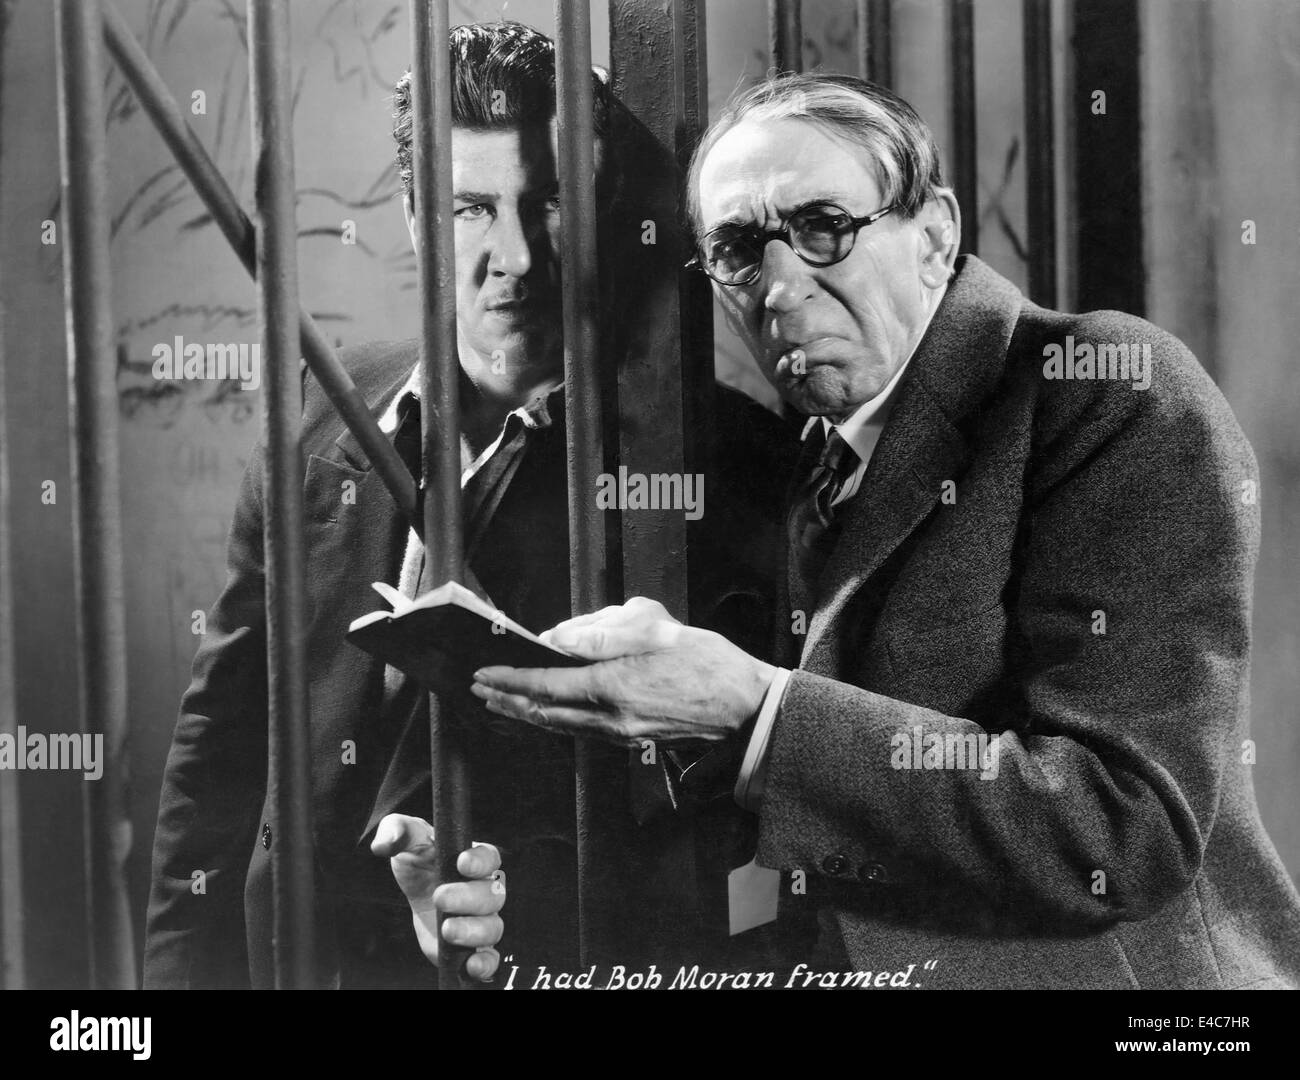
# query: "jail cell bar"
961,66
440,413
596,767
1040,152
97,514
13,967
875,61
785,34
289,773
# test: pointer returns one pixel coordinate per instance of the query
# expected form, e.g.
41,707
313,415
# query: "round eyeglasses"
821,234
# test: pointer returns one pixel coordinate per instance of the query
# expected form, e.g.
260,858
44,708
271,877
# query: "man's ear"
940,221
408,211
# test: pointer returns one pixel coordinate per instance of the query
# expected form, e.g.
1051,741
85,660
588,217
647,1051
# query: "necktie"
406,440
811,524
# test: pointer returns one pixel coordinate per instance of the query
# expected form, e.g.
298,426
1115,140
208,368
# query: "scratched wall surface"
183,444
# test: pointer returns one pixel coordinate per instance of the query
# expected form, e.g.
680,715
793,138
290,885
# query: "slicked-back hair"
503,76
897,141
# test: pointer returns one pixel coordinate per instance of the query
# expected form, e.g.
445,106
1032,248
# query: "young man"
370,751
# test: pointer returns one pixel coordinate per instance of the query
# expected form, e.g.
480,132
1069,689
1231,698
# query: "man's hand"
471,905
655,679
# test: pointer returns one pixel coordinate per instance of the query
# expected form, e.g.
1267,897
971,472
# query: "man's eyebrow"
475,196
733,220
839,198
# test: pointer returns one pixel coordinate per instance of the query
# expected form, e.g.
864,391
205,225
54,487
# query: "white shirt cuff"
753,770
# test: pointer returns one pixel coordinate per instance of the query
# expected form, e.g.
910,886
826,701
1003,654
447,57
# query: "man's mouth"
522,308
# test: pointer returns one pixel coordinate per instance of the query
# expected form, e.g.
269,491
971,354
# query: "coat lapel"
923,444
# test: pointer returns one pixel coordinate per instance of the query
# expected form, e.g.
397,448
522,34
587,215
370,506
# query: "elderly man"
1008,745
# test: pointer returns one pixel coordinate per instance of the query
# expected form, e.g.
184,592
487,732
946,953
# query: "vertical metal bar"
646,55
1109,236
785,33
665,371
13,971
97,514
212,188
582,398
440,397
696,295
875,61
1040,158
961,47
270,88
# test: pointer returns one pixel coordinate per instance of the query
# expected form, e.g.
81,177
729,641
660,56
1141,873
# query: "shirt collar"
535,413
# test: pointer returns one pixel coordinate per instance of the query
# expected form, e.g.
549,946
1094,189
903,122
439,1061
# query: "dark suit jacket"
212,815
1119,844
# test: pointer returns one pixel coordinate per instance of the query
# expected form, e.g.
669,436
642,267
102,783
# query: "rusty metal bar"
583,411
785,34
97,511
961,51
875,60
1040,156
212,188
13,970
440,397
292,860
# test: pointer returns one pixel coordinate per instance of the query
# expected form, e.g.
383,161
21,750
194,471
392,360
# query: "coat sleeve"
214,784
1110,751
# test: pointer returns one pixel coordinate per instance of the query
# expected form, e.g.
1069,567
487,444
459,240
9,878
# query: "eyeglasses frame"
696,262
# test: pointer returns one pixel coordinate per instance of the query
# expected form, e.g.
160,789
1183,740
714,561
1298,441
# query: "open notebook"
444,636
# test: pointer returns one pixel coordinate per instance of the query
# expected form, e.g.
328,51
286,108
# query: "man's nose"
786,280
511,246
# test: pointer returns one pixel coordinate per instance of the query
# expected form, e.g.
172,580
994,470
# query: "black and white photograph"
655,496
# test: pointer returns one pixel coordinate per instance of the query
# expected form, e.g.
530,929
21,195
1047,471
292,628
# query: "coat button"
266,835
873,871
835,864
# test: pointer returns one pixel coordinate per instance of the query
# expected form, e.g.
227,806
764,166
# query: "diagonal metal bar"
440,411
238,230
96,482
292,858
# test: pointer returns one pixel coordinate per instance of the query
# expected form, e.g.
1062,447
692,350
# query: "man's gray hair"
896,139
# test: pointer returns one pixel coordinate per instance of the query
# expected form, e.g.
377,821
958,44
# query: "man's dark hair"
503,76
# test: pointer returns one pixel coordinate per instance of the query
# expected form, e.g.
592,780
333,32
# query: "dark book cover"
444,636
